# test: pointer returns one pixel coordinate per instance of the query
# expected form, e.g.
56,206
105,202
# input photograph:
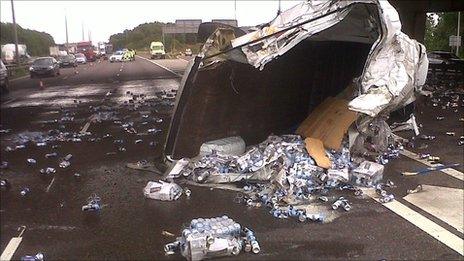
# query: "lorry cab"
157,50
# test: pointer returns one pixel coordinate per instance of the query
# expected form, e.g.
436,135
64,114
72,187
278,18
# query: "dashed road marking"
50,185
160,65
9,101
19,78
428,226
449,171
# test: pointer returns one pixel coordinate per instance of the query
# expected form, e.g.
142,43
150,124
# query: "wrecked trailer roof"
267,81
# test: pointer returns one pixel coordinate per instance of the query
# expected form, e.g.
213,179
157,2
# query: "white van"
157,50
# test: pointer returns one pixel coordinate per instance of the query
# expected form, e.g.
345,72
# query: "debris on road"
160,190
51,155
368,173
4,184
93,203
25,191
31,161
187,192
4,165
48,170
167,233
37,257
213,237
429,169
416,190
280,174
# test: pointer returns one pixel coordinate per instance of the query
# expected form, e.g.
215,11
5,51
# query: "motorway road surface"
130,226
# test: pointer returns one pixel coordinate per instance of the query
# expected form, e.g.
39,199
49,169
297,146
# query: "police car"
117,56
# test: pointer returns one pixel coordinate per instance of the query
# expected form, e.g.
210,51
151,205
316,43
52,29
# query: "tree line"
438,28
37,43
141,36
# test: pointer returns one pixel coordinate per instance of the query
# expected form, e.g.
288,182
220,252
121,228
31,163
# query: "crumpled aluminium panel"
396,67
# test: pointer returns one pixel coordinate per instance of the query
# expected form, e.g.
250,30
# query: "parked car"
80,58
442,57
44,66
67,61
4,78
188,52
117,56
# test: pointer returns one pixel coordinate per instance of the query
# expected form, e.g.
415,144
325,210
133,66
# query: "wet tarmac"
130,226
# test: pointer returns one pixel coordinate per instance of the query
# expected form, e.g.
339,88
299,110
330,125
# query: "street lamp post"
15,32
459,29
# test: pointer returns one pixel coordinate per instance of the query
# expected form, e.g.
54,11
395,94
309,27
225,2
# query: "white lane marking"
444,203
50,185
10,249
66,77
450,171
9,101
428,226
160,65
19,78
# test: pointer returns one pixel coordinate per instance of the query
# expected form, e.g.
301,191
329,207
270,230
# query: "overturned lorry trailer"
269,80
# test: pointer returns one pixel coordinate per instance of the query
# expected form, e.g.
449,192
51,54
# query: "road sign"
454,40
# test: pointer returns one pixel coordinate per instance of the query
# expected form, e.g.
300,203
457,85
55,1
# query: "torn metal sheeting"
358,42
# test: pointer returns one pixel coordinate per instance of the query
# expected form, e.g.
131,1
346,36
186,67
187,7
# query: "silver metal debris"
160,190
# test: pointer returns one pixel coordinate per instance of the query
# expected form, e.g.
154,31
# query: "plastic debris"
429,169
187,192
64,164
387,198
4,165
93,203
167,233
68,157
48,170
341,202
177,169
368,173
24,191
288,176
213,237
4,184
227,146
37,257
51,155
417,189
160,190
427,137
31,161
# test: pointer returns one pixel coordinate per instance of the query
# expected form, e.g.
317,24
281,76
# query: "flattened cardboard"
316,150
329,122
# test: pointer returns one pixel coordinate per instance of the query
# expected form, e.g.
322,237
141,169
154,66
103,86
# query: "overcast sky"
104,18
